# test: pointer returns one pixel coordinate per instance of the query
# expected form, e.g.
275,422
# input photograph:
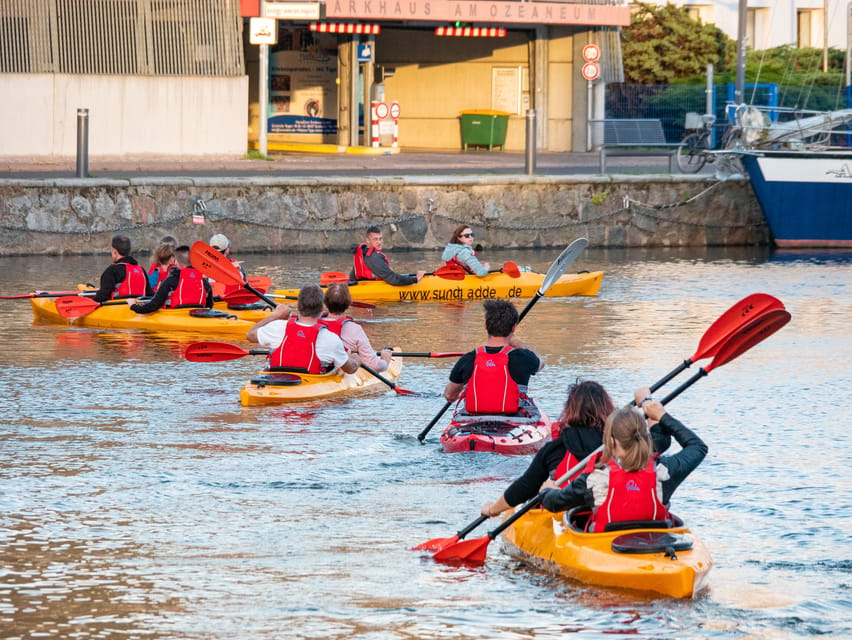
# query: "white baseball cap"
220,242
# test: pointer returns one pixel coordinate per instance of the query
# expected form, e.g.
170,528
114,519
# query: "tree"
663,44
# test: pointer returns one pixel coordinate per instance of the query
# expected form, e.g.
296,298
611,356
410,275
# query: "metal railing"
122,37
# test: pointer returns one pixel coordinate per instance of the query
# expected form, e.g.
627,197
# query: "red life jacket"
632,495
134,283
189,291
455,263
362,271
569,462
335,325
162,271
298,349
491,388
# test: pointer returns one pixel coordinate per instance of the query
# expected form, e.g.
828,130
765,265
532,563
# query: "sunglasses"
466,235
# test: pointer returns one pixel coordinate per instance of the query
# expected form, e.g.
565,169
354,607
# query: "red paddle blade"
218,289
363,305
740,314
261,283
436,544
472,551
511,270
450,273
213,352
240,296
213,264
330,277
756,331
75,306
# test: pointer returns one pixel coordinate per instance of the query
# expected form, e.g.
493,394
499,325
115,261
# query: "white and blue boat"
802,181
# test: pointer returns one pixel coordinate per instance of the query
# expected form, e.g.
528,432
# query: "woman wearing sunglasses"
459,252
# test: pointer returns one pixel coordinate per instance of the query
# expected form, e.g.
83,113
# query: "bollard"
82,143
530,142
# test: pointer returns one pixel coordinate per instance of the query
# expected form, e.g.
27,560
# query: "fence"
670,103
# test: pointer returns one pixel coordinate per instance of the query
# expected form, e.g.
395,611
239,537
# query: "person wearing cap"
371,264
221,243
302,343
124,278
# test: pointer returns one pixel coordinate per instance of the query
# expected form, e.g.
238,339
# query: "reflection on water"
137,498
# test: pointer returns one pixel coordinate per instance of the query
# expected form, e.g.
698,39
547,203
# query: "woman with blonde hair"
629,484
459,252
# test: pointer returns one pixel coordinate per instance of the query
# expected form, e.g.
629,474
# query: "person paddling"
222,244
185,287
164,260
369,263
124,278
493,378
628,484
337,301
301,343
580,428
459,252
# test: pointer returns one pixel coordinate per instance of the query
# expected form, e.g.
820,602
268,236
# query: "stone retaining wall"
258,214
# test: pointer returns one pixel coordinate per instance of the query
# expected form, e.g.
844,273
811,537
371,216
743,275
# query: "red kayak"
508,435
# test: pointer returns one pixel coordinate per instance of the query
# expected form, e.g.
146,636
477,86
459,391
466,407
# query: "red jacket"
298,349
632,495
491,388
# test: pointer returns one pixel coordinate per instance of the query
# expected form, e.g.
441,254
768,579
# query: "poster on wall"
302,87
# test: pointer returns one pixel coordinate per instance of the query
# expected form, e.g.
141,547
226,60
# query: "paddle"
559,266
737,343
220,351
215,265
47,294
446,272
354,303
77,306
731,320
427,354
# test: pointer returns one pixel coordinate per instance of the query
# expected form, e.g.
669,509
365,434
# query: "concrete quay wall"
260,214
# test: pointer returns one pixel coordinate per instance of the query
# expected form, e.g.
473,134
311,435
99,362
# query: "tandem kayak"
508,435
275,388
494,285
671,561
116,314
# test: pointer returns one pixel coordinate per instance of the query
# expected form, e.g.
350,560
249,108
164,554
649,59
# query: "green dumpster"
484,127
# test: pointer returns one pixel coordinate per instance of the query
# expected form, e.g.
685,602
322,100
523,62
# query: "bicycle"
694,150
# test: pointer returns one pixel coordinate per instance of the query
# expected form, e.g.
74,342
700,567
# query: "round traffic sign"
590,71
394,110
591,53
382,110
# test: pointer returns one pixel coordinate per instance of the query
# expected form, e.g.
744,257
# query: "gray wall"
79,216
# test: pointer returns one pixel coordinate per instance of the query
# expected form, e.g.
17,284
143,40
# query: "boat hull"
540,538
496,434
494,285
317,387
118,315
806,197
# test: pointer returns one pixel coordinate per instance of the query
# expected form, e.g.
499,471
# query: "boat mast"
739,86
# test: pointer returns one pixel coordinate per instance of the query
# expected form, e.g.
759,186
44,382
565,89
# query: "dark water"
138,499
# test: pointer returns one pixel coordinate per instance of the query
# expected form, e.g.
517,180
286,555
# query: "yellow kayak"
275,388
493,285
613,558
117,315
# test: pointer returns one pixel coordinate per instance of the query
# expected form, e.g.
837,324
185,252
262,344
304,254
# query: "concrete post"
82,143
530,143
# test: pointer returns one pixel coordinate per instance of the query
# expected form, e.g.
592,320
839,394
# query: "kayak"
508,435
493,285
116,314
274,388
672,561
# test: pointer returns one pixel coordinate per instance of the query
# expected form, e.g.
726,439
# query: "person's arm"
356,341
468,257
376,263
166,287
209,299
459,375
684,462
280,312
109,281
575,494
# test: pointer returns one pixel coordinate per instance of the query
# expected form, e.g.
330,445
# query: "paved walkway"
404,162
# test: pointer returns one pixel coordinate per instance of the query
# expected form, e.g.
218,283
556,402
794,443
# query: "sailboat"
800,166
